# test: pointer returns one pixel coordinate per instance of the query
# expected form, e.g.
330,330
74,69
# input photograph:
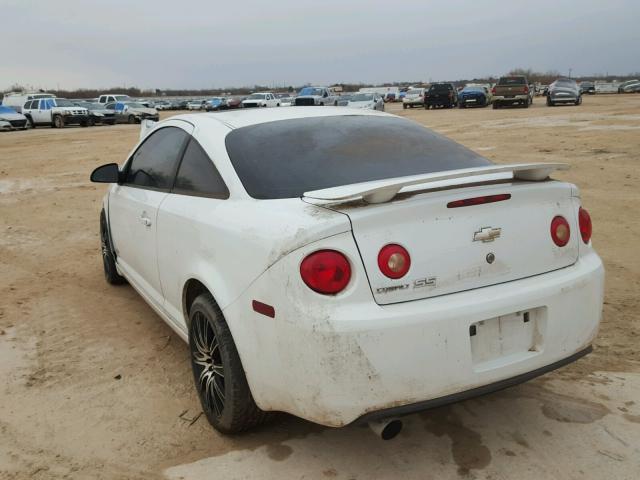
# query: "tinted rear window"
286,158
512,81
440,87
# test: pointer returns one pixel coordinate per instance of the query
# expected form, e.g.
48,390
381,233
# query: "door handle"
145,221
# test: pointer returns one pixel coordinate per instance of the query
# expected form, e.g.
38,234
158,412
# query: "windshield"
512,81
473,89
439,87
63,102
286,158
411,93
257,96
311,91
362,97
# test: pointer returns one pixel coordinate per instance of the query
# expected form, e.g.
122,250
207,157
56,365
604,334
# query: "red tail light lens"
560,231
493,91
526,89
394,261
584,220
326,271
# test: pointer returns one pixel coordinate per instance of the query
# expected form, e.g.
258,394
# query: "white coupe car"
347,265
370,101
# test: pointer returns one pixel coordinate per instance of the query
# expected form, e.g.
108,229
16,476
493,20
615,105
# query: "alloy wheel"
207,361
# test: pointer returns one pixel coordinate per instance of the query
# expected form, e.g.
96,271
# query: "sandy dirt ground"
96,386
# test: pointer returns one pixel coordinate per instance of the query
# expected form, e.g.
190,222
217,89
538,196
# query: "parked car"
623,85
110,98
12,120
441,95
162,105
234,102
285,99
16,100
261,99
132,112
588,88
473,97
216,103
564,90
54,112
512,90
340,311
343,100
631,87
413,98
196,105
370,101
310,96
98,114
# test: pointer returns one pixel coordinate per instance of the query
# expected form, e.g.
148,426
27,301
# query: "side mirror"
109,173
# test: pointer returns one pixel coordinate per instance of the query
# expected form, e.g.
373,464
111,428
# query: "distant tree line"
532,75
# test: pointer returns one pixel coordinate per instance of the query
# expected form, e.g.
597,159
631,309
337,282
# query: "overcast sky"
205,43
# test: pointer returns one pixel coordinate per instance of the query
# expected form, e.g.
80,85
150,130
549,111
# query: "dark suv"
441,95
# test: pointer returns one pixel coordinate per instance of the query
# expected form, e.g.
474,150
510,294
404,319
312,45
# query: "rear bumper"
510,98
564,98
474,392
333,362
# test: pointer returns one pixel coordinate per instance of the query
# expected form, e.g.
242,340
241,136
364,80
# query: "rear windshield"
512,81
286,158
439,87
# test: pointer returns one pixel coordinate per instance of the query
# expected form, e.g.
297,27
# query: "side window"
154,163
27,105
198,175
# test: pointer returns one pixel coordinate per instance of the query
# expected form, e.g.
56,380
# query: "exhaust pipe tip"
386,429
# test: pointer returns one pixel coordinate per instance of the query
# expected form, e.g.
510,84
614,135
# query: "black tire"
405,106
549,102
92,122
30,122
495,105
526,103
108,261
579,100
217,371
58,121
461,105
131,119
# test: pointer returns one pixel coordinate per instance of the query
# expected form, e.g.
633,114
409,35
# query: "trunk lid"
450,247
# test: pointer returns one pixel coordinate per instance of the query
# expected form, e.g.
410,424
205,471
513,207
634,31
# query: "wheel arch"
193,288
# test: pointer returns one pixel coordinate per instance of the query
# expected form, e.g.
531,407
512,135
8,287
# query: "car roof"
247,117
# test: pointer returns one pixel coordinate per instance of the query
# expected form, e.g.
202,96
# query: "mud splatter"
575,412
330,473
466,445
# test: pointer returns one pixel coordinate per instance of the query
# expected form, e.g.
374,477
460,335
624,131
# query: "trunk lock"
490,257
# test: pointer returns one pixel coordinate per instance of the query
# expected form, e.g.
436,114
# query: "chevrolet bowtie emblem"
486,234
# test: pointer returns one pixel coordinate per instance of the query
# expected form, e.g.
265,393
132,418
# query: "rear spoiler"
381,191
145,127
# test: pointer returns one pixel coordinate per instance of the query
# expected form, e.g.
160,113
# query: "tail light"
526,89
493,91
584,221
394,261
450,94
326,271
560,231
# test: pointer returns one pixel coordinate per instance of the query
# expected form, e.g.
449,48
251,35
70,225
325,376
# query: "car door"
39,112
187,228
133,206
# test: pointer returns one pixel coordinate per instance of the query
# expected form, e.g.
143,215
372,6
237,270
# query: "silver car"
12,120
564,91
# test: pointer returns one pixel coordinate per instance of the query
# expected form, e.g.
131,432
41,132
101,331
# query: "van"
16,100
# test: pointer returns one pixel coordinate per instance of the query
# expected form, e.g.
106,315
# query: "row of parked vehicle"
508,91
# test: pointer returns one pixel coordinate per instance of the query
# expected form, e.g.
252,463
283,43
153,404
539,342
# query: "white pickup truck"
55,112
309,96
